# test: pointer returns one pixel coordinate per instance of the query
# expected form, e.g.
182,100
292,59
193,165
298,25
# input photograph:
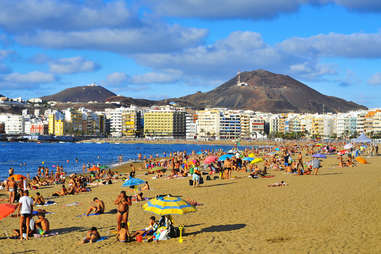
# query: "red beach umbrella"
6,210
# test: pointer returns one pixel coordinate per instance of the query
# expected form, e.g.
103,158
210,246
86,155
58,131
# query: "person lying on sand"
63,191
97,206
122,235
152,227
39,199
92,236
282,183
42,224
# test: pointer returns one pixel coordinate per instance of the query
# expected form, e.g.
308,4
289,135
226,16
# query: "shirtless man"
39,200
11,186
228,167
11,171
300,162
42,224
123,202
97,207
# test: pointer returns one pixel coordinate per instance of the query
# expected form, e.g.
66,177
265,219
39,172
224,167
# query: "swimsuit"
11,190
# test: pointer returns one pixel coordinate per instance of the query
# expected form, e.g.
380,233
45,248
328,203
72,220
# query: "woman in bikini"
123,202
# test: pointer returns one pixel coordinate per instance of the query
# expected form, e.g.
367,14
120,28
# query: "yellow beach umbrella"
256,160
251,155
168,205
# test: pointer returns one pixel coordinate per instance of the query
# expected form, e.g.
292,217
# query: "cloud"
92,25
72,65
158,38
375,79
249,9
356,45
117,78
26,15
32,79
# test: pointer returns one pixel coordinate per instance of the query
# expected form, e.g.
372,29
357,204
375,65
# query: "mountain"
126,101
81,94
268,92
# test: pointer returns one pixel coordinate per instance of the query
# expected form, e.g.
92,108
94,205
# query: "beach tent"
362,139
168,205
133,182
210,159
348,146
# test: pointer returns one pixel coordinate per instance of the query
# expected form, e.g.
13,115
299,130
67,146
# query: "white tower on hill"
239,83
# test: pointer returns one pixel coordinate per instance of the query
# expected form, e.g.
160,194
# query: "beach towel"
91,214
45,235
73,204
36,212
269,176
102,238
48,203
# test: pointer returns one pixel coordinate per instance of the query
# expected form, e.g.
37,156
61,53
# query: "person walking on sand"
315,165
25,209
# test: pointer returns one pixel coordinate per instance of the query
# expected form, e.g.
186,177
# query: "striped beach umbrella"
168,205
133,182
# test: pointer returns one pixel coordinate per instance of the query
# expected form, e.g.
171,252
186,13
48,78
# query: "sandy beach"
337,211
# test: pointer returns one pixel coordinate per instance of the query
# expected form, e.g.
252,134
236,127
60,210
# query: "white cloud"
117,78
158,38
27,15
375,79
33,77
72,65
249,9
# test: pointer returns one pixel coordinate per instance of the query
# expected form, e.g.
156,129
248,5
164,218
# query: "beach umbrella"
17,177
168,205
103,167
256,160
93,168
248,159
319,155
133,182
277,148
251,155
348,146
6,210
225,156
210,159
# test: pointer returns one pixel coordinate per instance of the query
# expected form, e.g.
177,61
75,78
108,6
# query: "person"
122,235
11,171
123,202
39,199
196,177
227,168
42,224
152,227
91,236
300,164
12,188
63,192
315,165
146,186
98,207
25,209
16,233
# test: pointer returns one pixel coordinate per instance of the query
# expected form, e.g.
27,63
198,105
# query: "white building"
14,124
191,126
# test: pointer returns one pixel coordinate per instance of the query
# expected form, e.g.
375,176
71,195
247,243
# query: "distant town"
173,122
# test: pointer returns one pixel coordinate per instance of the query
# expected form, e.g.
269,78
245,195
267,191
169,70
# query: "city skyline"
148,49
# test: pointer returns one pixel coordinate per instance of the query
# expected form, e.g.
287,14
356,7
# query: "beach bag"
173,231
191,182
201,180
208,178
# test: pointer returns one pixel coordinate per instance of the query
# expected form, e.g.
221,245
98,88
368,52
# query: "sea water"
27,157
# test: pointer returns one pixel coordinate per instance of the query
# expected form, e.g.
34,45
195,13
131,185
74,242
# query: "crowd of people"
256,162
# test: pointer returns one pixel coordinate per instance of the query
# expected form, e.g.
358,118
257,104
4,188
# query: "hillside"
269,92
81,94
126,101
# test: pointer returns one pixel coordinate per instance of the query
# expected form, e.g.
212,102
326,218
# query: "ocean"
27,157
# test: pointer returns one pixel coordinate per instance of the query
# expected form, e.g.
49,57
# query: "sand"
337,211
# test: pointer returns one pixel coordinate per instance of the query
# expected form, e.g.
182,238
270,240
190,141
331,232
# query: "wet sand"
337,211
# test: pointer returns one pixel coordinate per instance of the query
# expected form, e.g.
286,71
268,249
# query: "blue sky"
160,49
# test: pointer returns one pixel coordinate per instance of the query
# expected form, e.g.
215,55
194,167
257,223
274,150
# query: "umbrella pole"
181,227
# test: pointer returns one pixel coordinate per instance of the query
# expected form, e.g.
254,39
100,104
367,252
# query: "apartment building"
165,123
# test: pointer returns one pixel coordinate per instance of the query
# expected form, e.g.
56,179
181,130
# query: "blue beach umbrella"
319,155
248,159
225,156
133,182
